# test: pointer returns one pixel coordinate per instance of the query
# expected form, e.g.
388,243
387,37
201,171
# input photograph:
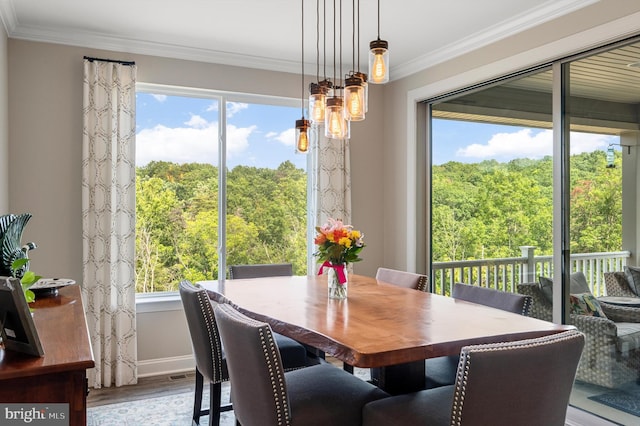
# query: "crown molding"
143,47
550,10
8,16
546,12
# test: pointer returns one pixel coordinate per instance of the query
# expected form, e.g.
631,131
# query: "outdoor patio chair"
490,387
617,284
612,352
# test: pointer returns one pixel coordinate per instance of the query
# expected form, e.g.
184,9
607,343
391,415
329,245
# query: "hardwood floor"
147,387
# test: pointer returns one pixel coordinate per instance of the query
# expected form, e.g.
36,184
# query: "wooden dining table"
379,325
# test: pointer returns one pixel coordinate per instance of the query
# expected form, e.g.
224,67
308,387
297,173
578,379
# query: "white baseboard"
163,366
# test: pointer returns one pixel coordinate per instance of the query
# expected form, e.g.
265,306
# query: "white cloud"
287,137
526,143
196,143
159,98
213,106
588,142
235,107
197,121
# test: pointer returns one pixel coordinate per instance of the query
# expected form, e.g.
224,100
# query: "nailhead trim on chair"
212,331
466,358
526,306
423,283
276,374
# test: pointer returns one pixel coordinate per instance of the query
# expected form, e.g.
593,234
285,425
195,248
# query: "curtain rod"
88,58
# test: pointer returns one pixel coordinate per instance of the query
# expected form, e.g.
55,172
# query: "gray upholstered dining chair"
207,349
489,387
264,394
211,361
272,270
260,270
403,279
441,371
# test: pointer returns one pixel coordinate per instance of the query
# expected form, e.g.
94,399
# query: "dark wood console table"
60,375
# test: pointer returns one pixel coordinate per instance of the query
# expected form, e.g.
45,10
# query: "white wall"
45,98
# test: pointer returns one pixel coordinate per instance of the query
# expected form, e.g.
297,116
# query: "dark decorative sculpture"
11,227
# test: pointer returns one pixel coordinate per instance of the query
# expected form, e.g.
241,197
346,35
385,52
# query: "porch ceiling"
605,96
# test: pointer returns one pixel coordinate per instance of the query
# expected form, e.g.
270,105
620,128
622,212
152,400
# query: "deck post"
529,272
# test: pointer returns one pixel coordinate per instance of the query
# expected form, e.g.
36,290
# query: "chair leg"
215,398
197,404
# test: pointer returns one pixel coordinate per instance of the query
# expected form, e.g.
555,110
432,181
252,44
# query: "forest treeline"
177,221
481,210
489,209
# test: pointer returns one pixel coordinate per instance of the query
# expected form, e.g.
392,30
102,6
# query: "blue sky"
468,142
181,129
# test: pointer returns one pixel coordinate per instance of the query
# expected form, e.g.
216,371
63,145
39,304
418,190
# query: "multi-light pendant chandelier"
334,104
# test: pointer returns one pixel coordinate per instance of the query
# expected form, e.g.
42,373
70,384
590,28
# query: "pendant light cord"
378,19
324,37
353,35
358,44
334,42
302,62
341,76
318,40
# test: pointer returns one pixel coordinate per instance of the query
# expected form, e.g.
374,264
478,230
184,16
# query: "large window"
182,184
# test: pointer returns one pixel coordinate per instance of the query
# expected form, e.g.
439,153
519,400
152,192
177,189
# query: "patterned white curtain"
330,175
108,220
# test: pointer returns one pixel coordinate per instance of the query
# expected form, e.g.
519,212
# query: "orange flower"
320,239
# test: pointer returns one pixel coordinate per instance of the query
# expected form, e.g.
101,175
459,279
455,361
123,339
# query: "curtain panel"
330,175
108,220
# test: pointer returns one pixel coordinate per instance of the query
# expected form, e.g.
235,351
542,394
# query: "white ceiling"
266,34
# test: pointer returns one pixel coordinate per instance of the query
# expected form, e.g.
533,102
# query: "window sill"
158,302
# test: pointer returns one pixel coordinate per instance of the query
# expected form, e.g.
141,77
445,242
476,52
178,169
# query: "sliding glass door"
532,188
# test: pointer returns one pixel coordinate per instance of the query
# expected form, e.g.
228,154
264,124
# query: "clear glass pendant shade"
335,124
354,101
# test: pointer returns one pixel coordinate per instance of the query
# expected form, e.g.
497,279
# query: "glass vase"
337,290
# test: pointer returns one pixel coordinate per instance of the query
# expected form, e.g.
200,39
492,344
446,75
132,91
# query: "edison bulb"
303,142
355,106
335,122
379,68
302,136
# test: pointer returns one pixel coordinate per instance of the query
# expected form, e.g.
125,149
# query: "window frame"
164,301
